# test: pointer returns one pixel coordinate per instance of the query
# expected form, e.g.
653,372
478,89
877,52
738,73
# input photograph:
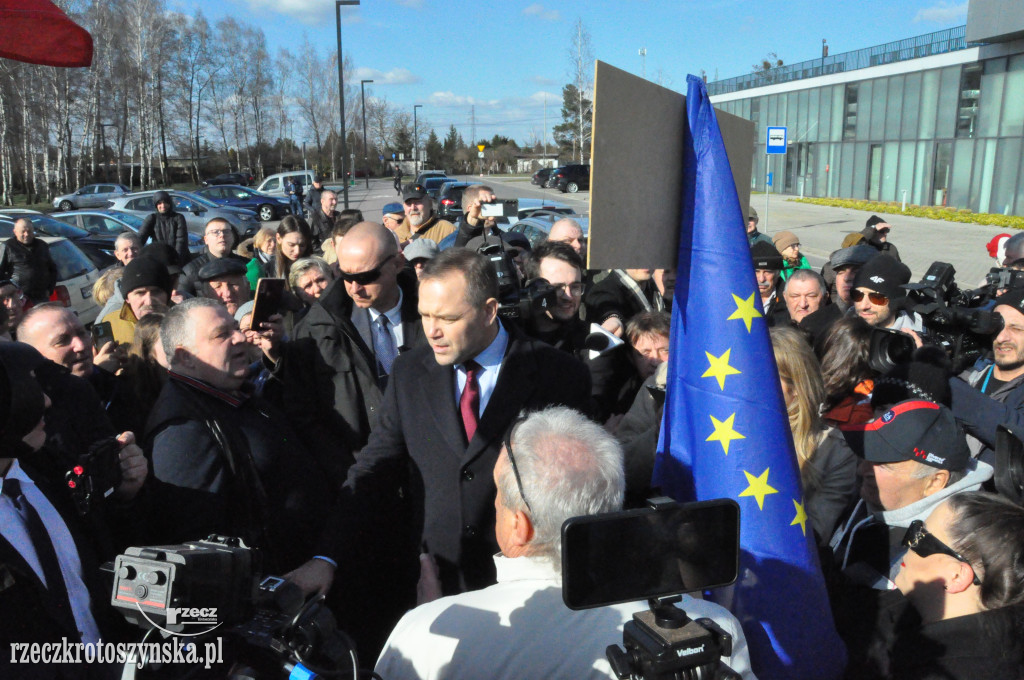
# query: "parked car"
537,227
229,178
426,174
112,223
552,178
98,248
433,185
90,196
541,177
449,200
277,185
267,207
572,178
76,274
196,210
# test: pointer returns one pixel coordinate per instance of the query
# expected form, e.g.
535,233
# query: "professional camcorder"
656,553
95,475
211,588
518,300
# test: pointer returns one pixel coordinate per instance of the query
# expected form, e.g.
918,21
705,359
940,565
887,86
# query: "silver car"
196,210
113,223
91,196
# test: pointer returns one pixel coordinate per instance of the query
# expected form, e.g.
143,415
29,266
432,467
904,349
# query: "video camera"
95,475
211,587
958,321
656,553
518,300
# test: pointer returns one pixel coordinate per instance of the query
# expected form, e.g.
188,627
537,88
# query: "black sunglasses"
512,461
875,298
367,277
925,544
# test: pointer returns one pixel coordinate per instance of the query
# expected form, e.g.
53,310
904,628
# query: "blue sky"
506,56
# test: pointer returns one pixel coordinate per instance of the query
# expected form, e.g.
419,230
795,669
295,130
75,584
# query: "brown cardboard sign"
636,170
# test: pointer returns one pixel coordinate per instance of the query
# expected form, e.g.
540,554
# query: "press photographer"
555,464
472,223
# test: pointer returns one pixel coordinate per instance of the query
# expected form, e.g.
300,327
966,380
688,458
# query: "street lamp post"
366,154
415,141
304,166
341,90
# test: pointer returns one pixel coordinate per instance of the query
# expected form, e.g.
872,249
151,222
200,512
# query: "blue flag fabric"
725,432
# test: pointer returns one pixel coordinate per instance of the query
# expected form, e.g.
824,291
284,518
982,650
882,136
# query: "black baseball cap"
413,191
911,430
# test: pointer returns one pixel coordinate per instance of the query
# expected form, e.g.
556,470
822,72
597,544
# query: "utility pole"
415,141
366,156
341,91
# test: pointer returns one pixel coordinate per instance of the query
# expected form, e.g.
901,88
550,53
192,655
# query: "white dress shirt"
490,361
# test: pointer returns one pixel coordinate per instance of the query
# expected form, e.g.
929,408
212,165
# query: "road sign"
480,154
481,147
380,157
392,156
776,141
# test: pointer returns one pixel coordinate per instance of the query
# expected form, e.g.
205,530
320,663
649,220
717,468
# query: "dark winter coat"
169,228
30,267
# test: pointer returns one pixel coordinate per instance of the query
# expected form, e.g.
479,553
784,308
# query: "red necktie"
469,402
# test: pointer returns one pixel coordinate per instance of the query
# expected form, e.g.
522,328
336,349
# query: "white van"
277,185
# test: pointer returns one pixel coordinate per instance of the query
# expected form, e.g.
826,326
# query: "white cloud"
396,76
543,82
311,12
943,13
538,10
451,99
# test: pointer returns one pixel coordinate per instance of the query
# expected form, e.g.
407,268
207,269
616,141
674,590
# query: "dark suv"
449,200
572,178
241,178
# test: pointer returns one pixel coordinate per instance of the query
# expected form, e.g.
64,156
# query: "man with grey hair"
126,247
26,260
555,464
249,473
569,231
804,293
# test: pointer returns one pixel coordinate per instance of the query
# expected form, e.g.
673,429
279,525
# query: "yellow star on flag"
724,433
801,518
758,487
718,368
745,310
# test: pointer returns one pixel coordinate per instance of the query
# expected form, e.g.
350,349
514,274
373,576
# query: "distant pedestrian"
295,195
166,226
398,179
26,262
312,200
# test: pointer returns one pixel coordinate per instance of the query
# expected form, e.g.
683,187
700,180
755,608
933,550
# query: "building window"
850,121
970,94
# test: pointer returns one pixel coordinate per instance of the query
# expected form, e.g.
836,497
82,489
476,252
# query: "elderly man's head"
419,207
369,260
569,231
328,199
804,293
556,464
146,285
911,451
202,341
127,247
219,237
458,304
24,231
59,336
223,279
309,278
767,265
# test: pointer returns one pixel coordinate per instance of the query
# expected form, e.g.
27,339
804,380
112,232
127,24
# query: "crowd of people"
407,430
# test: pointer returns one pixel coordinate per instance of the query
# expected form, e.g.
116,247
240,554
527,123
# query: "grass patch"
947,214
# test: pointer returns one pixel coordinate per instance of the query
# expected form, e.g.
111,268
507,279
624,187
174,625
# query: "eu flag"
725,432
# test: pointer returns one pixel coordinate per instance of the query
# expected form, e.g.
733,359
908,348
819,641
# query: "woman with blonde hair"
827,465
264,245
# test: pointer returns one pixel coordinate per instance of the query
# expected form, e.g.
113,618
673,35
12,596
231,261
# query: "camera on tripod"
656,554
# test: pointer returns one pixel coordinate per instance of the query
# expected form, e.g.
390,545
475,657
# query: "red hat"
993,245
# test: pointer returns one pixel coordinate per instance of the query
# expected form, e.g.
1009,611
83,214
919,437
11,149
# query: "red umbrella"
38,32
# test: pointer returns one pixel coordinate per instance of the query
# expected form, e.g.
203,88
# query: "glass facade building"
933,120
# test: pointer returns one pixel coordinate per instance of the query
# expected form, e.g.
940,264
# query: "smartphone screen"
640,554
102,333
269,293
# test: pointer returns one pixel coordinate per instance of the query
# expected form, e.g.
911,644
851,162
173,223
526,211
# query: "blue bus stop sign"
776,140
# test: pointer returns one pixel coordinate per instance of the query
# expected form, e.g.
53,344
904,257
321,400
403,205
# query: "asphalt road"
821,229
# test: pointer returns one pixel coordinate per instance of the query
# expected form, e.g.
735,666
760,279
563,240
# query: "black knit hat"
883,274
873,220
21,398
145,271
165,254
766,256
1013,298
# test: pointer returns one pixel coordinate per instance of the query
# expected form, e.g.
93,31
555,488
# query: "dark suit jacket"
331,355
452,481
30,616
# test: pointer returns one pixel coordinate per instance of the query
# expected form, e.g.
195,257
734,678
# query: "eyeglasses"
573,289
367,277
874,298
512,462
925,544
218,232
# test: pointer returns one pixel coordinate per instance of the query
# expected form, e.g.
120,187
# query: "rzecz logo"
206,617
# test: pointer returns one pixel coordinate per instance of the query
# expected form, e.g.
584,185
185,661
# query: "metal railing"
940,42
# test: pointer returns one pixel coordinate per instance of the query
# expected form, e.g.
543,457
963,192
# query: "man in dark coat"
26,261
311,201
166,226
220,239
323,218
246,469
876,234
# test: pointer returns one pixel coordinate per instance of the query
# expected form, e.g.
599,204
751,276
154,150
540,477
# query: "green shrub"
947,213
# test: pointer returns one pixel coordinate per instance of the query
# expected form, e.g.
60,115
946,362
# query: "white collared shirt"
490,361
394,316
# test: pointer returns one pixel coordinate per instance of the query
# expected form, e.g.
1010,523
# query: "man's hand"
428,588
134,468
613,325
473,209
269,337
913,334
107,357
313,578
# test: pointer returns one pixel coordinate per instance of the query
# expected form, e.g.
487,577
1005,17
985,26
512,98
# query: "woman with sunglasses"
964,575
